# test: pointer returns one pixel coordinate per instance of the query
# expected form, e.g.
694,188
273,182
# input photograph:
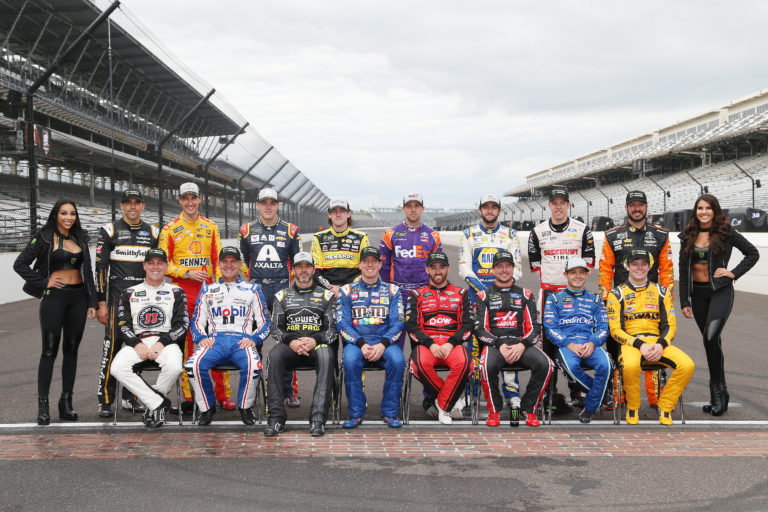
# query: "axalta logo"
416,252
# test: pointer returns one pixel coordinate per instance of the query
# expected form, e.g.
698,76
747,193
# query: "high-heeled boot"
718,407
65,407
43,414
726,397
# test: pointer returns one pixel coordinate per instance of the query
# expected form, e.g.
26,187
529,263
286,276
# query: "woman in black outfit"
63,279
706,284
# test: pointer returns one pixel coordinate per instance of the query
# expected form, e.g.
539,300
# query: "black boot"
65,407
707,408
726,397
718,407
43,415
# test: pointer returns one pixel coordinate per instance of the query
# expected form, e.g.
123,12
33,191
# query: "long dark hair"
717,233
76,231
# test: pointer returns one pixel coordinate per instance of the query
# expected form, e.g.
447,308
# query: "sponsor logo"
437,321
195,247
506,320
575,320
415,252
150,316
193,262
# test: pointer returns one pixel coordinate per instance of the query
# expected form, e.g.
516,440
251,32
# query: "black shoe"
156,417
206,417
559,405
65,407
43,414
274,428
726,397
317,429
105,411
247,416
718,401
585,416
577,400
133,405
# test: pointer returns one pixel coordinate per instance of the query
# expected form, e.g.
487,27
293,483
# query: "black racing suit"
119,265
298,313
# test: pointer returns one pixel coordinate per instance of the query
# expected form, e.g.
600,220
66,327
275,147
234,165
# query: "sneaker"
133,405
105,410
585,416
317,429
530,419
443,417
206,417
632,417
293,401
393,421
430,408
274,428
247,416
493,419
156,417
665,418
227,404
352,422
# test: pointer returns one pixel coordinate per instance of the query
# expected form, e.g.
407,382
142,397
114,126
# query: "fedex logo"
416,252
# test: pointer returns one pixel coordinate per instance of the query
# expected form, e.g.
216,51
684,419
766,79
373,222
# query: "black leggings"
61,309
711,309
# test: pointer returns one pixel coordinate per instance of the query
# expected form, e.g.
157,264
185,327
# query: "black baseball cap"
370,251
132,193
638,254
230,251
503,256
437,257
155,253
636,195
559,192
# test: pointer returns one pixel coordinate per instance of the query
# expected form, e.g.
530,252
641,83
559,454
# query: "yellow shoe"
665,418
632,417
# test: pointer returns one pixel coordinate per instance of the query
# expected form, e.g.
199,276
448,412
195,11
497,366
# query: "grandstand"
114,110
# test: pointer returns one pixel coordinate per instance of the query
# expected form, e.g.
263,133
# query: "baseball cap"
437,257
638,254
559,192
132,193
303,257
636,195
155,253
267,193
575,262
230,251
490,198
335,203
503,256
413,197
189,188
370,251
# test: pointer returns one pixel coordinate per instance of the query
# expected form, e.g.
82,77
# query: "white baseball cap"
267,193
575,262
490,198
338,202
189,188
413,197
303,257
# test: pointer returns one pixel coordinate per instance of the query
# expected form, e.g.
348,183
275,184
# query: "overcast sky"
454,99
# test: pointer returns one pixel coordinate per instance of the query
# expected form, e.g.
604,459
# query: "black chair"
556,361
644,366
147,366
335,392
544,413
261,393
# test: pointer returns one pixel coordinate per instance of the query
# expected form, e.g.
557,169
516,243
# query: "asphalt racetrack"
707,464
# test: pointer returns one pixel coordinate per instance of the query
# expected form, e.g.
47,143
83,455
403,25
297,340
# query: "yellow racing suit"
645,315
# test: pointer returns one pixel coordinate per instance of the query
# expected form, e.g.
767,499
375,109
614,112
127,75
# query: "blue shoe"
393,422
352,422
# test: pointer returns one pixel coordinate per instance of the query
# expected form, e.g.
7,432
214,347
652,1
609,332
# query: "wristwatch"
186,274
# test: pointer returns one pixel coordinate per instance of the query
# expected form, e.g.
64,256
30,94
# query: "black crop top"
61,259
700,254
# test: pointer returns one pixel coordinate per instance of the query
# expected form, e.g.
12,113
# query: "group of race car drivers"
227,301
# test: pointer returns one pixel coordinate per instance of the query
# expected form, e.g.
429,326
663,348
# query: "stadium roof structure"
742,122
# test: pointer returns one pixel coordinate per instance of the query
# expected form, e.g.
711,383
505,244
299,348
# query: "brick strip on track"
253,444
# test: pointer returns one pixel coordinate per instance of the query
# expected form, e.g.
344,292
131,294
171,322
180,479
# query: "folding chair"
406,401
544,413
261,393
644,366
369,368
608,390
148,366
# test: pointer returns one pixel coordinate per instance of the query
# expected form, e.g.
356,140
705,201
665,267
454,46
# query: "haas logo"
508,319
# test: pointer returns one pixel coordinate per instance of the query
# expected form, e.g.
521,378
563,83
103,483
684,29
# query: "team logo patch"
506,320
196,247
151,316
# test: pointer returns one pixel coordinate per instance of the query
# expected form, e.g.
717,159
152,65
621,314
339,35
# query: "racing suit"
337,256
119,265
640,315
476,249
297,313
549,247
227,313
267,255
404,252
508,316
619,242
371,314
579,317
148,314
440,316
193,245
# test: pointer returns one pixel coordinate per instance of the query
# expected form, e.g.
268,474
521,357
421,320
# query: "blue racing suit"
579,317
371,314
227,312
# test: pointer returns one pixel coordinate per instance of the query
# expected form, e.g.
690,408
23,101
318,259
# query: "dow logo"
151,316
